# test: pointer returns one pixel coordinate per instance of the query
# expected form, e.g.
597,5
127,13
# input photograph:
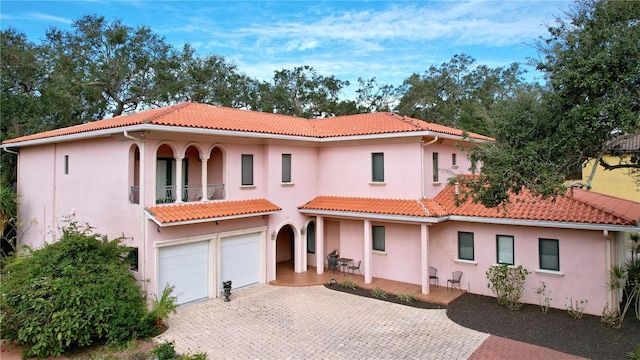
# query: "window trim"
473,251
513,245
286,168
436,175
557,254
381,231
377,167
245,167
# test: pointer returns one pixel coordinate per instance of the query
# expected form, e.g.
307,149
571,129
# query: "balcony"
190,193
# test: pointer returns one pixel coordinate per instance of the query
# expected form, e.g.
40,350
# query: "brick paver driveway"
270,322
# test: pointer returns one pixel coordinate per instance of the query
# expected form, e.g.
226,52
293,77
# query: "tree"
459,93
373,97
302,92
593,97
104,68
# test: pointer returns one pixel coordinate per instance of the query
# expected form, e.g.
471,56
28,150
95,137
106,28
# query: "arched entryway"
285,249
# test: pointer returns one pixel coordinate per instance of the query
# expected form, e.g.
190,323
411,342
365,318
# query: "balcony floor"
437,294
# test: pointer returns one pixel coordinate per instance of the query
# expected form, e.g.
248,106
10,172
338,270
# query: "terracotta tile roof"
194,115
174,213
576,206
422,208
380,123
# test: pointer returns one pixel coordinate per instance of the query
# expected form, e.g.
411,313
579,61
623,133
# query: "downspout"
11,151
142,191
422,146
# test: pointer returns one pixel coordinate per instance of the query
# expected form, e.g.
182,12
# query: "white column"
367,252
204,177
179,180
424,251
320,244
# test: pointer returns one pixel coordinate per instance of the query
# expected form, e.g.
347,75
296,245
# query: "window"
454,160
311,238
549,254
286,168
504,247
377,166
132,259
465,245
247,169
66,164
435,167
378,238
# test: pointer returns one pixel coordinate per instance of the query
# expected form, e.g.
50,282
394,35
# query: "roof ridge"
164,111
423,207
408,120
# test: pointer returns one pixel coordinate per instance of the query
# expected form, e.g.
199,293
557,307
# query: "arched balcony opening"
166,175
134,174
215,175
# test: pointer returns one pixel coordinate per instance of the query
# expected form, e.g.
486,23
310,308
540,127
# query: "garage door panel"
240,259
186,268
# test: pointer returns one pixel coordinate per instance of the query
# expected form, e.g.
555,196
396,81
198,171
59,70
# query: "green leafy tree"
302,92
374,97
62,295
591,102
459,93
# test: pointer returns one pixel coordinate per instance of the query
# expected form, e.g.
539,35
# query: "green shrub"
378,293
164,351
406,297
164,306
349,284
507,282
75,292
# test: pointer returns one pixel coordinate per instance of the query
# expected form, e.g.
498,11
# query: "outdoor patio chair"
355,266
332,263
457,275
433,272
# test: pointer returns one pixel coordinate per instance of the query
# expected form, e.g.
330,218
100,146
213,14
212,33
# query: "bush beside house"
73,293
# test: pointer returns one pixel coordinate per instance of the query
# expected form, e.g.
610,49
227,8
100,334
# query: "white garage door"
185,267
240,261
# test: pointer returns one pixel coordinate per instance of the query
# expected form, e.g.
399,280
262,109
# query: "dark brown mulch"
556,329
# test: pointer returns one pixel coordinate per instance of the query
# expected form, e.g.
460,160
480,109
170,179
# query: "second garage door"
240,259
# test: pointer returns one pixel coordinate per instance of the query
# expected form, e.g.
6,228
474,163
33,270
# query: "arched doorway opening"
285,248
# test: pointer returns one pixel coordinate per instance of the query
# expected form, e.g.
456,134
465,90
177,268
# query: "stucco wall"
583,261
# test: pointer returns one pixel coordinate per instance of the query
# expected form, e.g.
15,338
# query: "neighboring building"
622,183
208,194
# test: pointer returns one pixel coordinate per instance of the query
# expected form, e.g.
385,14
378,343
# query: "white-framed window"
465,246
549,251
378,238
505,249
247,169
377,167
286,168
436,178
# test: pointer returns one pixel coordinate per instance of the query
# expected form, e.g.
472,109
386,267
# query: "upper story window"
378,237
377,167
454,159
465,246
436,178
66,164
504,248
286,168
549,252
247,169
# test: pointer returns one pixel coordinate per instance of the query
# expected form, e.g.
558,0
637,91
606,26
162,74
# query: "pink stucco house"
207,194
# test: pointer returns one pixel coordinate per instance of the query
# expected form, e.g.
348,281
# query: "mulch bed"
556,329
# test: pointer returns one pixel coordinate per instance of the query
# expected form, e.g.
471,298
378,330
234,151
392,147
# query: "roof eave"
538,223
373,216
206,220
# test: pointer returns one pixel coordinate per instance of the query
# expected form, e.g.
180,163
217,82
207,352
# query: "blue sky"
388,40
